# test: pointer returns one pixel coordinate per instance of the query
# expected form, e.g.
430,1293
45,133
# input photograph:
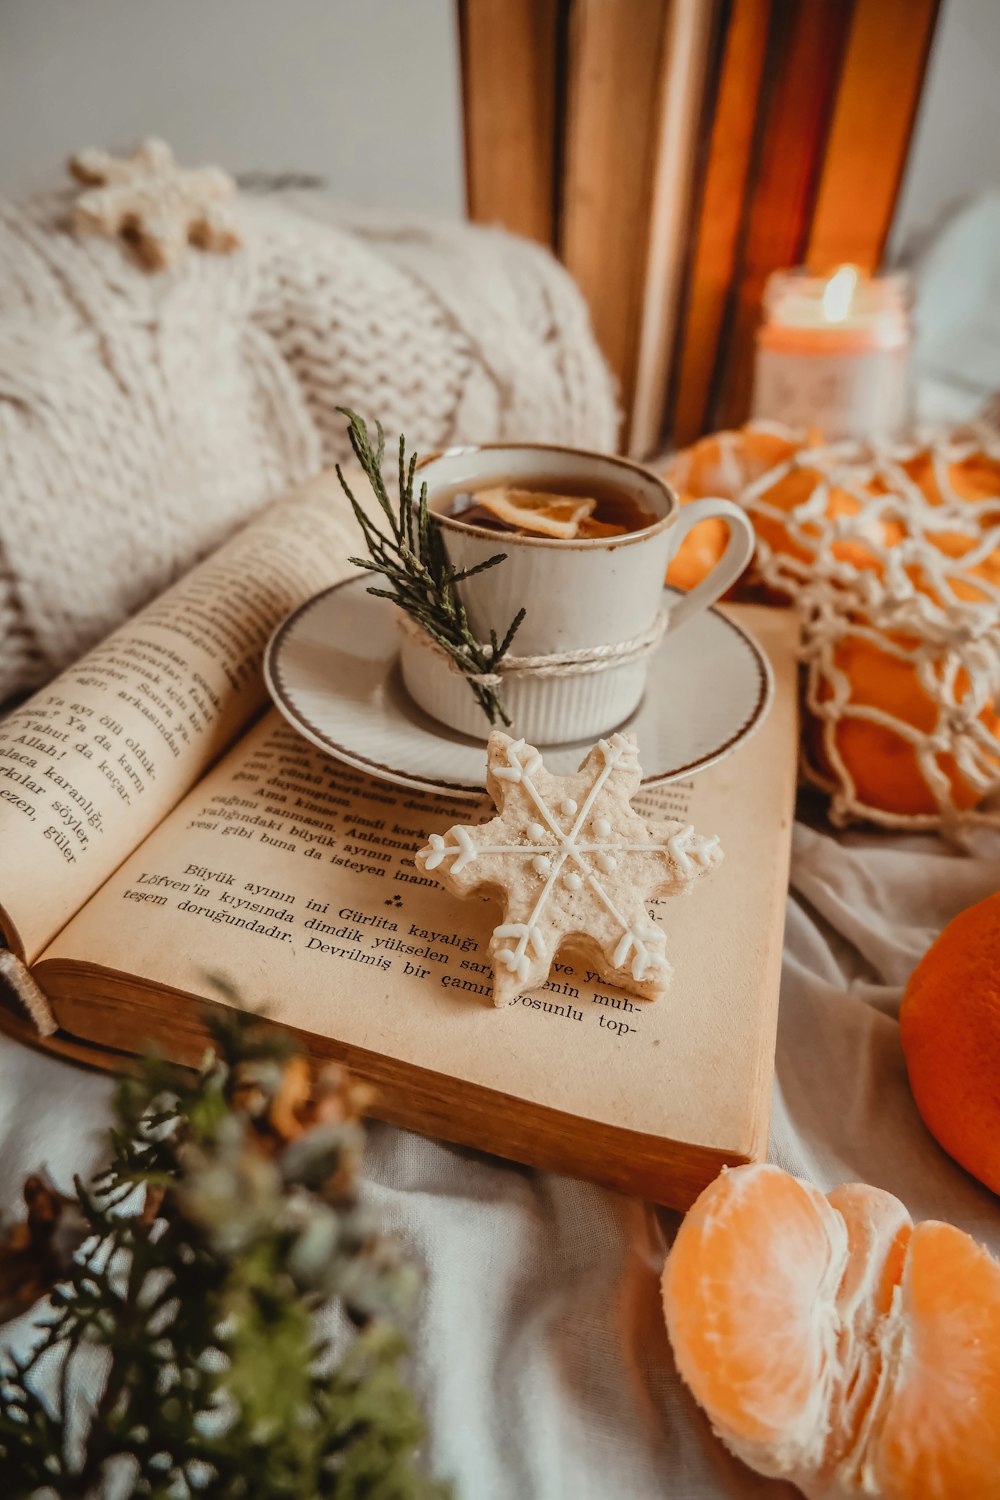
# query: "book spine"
805,53
509,54
616,65
870,132
720,212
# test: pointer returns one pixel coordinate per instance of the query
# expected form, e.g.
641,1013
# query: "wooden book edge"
665,1171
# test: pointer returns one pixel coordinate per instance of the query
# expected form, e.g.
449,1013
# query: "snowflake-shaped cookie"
572,861
153,204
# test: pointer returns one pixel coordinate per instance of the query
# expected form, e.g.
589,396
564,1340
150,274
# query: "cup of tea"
587,539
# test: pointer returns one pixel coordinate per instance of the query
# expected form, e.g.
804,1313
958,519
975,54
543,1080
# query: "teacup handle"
739,551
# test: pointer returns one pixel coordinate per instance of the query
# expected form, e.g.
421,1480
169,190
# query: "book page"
91,763
292,875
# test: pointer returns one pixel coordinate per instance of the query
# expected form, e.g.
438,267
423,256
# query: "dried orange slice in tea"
589,528
537,511
834,1344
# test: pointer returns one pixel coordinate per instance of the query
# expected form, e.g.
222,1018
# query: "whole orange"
949,1026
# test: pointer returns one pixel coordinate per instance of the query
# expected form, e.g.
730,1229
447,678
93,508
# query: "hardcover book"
161,827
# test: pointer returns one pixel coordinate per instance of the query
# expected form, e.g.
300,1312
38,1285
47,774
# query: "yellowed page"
90,765
292,875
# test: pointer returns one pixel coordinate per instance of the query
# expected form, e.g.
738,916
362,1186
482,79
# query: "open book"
157,827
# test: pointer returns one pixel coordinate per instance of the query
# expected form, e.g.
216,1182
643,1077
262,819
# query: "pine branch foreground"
191,1270
413,561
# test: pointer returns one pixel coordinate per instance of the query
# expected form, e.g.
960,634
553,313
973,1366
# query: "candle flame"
839,293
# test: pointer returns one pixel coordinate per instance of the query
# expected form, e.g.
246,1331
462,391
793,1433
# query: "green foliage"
191,1271
413,560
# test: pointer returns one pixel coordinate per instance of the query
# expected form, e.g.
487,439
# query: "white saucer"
332,669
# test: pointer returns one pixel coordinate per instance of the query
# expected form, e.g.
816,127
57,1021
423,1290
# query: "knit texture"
144,417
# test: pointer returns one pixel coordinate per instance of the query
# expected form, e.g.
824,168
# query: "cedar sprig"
180,1354
412,559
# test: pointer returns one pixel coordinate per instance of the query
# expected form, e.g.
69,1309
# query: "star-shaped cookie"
157,207
572,861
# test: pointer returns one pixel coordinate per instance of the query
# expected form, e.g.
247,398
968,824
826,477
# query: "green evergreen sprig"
180,1356
413,560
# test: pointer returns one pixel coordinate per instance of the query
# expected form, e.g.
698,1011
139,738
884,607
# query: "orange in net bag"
892,552
769,465
835,1344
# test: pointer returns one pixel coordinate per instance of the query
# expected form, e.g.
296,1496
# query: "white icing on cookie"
604,876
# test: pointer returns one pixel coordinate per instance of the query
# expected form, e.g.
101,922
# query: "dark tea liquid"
557,508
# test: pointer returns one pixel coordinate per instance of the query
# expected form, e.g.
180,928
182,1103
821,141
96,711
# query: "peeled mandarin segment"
878,1233
537,511
940,1435
749,1293
949,1028
904,1399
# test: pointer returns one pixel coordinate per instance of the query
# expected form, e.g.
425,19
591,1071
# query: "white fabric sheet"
540,1354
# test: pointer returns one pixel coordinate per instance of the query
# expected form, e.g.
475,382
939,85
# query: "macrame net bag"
891,552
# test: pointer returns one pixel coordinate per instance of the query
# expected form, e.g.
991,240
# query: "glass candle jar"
833,352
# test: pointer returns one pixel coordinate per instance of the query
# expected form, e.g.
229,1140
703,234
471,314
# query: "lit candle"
832,352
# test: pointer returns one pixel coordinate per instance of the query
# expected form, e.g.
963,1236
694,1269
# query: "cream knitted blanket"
143,417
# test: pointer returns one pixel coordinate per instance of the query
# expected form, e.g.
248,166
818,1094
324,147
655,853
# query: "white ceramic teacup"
588,593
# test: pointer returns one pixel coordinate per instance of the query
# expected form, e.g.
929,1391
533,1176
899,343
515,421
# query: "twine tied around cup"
556,664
